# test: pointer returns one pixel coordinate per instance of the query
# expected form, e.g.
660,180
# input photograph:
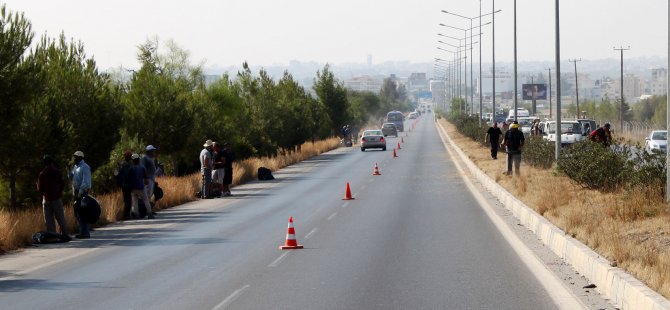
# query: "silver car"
656,141
373,139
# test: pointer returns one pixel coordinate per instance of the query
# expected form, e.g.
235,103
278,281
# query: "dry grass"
16,228
631,228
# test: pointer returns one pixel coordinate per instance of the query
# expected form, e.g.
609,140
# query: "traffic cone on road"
347,193
291,242
394,154
399,146
376,172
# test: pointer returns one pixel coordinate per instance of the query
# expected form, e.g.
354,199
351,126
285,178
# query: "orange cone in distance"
399,146
347,193
291,242
394,153
376,171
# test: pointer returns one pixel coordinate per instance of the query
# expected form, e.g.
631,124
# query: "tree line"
54,100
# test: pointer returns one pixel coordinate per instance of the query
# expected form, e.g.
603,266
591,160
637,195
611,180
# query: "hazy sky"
266,32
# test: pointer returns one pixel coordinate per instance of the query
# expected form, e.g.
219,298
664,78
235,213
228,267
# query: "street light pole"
621,49
480,68
516,95
549,93
558,79
493,71
576,83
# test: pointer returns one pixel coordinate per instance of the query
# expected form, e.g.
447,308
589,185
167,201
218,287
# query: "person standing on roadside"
149,163
493,136
50,184
206,165
81,185
514,141
219,170
228,158
123,180
138,181
602,135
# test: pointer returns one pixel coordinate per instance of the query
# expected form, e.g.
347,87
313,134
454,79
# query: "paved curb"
621,288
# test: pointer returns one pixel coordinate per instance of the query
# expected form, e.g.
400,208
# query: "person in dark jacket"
493,136
123,180
138,179
228,157
513,141
50,184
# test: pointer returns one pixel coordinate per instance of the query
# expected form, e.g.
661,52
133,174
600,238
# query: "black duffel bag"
88,210
265,174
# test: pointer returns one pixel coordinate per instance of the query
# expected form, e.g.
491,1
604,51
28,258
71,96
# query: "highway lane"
414,238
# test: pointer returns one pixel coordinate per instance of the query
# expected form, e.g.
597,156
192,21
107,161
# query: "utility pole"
576,83
493,71
516,95
621,49
549,93
557,30
481,109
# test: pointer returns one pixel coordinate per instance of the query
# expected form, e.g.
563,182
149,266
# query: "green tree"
333,95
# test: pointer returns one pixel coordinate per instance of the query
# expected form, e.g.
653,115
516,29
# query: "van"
520,112
571,132
397,118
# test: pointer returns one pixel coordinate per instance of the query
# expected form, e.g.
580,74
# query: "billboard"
534,91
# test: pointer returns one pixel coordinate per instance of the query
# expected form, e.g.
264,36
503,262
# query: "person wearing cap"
81,185
123,180
206,165
514,141
149,164
228,158
602,135
50,184
138,180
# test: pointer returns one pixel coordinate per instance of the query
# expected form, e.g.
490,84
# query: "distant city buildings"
364,83
658,84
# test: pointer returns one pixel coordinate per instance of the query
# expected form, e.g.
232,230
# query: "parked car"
657,141
389,129
588,125
413,115
373,139
571,132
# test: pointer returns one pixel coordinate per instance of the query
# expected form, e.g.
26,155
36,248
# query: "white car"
656,141
413,115
571,132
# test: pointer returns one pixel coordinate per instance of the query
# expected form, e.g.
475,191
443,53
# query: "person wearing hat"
138,180
514,141
206,165
149,164
602,135
81,185
50,184
123,180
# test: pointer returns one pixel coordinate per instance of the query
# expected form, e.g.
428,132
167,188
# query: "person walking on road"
123,180
228,158
138,181
206,165
81,185
513,142
149,163
493,136
50,184
602,135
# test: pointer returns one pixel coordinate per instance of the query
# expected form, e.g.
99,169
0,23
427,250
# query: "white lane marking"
371,180
51,263
364,186
226,302
356,194
331,216
276,262
346,204
309,234
562,296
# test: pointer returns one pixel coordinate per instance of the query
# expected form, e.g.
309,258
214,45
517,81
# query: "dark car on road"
389,129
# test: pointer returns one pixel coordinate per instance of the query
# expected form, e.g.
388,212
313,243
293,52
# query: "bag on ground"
45,237
265,174
88,209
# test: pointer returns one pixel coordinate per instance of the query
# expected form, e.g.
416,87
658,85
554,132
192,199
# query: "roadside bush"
596,167
469,127
538,152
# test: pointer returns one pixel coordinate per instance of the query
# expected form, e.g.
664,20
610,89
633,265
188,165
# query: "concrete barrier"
624,290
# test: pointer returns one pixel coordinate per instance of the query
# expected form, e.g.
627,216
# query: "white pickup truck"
571,132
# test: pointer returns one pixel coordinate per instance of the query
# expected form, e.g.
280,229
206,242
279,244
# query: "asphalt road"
413,238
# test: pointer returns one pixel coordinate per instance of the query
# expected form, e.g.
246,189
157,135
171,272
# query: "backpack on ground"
88,209
45,237
158,192
265,174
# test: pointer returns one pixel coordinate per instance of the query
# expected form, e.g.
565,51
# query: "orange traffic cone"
291,242
347,193
376,172
394,153
399,146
